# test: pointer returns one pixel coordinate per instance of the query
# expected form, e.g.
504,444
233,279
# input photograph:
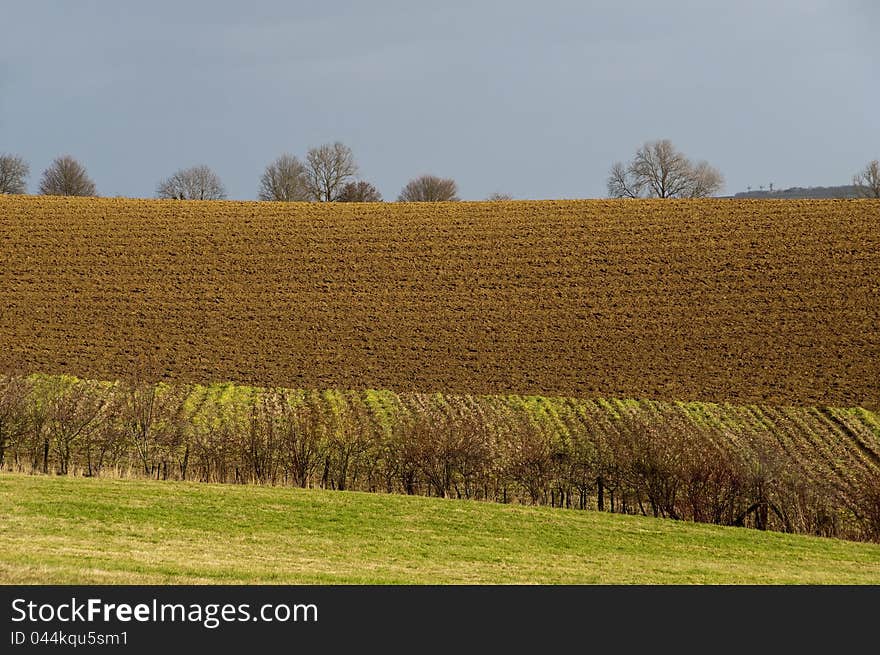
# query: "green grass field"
74,530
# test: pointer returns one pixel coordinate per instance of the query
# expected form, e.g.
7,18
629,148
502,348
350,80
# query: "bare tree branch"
619,183
867,180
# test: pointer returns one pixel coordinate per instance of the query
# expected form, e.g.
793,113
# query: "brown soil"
774,302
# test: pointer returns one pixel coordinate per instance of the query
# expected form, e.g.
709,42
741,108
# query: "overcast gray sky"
535,99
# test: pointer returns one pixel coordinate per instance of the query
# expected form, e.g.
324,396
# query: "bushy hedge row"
755,467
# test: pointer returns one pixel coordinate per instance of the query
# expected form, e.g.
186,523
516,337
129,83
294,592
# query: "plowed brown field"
775,302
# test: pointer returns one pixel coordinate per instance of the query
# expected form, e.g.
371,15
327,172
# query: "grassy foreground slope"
66,530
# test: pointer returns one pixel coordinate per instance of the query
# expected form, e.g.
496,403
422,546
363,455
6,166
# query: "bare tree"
328,168
867,180
499,197
658,170
14,172
347,441
67,177
148,413
196,183
619,183
663,170
285,180
429,188
528,460
74,410
359,191
303,437
707,180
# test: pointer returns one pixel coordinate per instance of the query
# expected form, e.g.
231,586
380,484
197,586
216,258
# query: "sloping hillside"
794,469
78,531
718,300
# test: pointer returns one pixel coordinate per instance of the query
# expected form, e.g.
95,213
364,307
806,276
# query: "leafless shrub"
14,391
303,439
429,188
359,191
527,460
74,410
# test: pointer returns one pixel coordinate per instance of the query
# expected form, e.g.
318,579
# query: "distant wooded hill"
843,191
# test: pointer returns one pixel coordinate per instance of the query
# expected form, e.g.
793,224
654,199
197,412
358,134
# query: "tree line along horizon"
329,173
